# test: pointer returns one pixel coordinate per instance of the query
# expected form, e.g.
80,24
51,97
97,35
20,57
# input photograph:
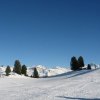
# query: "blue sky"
49,32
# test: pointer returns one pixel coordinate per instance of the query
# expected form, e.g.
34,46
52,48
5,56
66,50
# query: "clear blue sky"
49,32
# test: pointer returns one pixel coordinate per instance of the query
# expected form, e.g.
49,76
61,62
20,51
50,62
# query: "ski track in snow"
81,85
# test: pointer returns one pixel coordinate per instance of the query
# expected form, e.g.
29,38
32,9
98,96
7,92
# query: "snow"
14,75
42,70
73,85
56,71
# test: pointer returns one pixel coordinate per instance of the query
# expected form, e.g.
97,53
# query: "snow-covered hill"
43,71
73,85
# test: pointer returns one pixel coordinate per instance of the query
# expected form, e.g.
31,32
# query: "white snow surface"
42,70
72,85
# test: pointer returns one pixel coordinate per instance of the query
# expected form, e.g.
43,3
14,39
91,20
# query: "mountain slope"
42,70
80,85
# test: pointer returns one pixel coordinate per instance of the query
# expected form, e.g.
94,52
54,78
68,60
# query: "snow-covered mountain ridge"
43,71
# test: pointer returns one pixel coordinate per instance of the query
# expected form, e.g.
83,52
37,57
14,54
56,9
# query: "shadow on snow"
74,98
74,73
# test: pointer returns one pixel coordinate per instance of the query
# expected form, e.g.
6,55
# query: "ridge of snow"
44,71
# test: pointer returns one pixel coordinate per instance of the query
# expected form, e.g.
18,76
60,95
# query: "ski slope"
79,85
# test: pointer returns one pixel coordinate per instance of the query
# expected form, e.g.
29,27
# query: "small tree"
24,70
89,66
81,62
8,70
74,63
17,67
35,74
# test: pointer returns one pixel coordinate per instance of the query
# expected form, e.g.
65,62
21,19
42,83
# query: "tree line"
75,64
78,64
21,70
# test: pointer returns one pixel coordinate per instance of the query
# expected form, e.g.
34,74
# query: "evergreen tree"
74,63
89,66
24,70
81,62
17,67
8,70
35,74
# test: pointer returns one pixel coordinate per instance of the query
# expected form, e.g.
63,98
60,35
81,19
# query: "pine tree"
89,66
81,62
8,70
74,63
35,74
24,70
17,67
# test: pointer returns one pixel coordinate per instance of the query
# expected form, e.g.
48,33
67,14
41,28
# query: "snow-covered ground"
78,85
42,70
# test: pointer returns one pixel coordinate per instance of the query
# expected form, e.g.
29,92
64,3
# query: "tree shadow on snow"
74,73
77,98
80,73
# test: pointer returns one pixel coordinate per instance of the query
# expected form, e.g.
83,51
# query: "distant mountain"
44,71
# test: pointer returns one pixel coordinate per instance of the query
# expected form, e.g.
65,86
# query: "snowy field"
80,85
